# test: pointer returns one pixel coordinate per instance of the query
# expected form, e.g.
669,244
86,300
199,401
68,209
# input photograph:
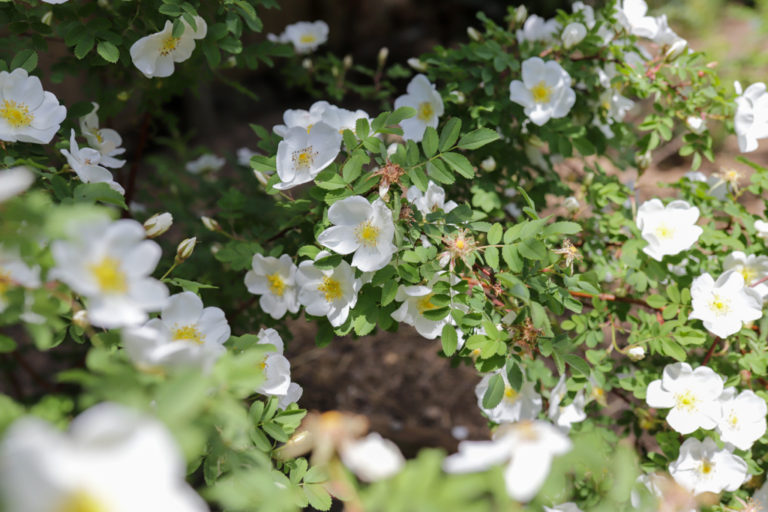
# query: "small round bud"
185,249
417,64
347,62
573,34
643,161
80,319
675,50
307,64
383,54
571,204
47,18
261,177
123,95
210,223
458,97
489,164
521,14
474,34
636,353
158,224
335,72
696,124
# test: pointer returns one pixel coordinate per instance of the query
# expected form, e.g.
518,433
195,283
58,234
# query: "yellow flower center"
169,44
719,306
664,232
276,284
748,274
425,304
263,364
460,244
706,467
733,419
308,38
541,92
331,288
188,333
686,400
16,114
303,159
425,111
109,276
510,395
367,234
81,501
5,281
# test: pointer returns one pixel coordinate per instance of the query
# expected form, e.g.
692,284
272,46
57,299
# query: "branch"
614,298
711,351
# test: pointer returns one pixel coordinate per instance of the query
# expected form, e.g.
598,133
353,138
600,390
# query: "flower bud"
696,124
571,204
458,97
489,164
675,50
573,34
474,34
158,224
210,223
417,64
47,18
80,319
636,353
261,177
347,62
643,161
185,248
521,14
307,64
383,54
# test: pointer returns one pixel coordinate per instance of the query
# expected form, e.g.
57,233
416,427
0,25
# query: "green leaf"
494,393
9,345
189,286
562,228
656,301
361,128
577,364
514,375
494,234
449,339
26,59
318,497
108,51
459,163
316,475
400,114
429,142
478,138
532,249
450,133
84,45
91,192
438,172
492,257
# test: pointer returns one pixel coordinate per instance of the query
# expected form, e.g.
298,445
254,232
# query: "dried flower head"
569,252
459,246
390,175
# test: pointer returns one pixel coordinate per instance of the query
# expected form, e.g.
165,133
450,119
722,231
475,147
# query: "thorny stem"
711,351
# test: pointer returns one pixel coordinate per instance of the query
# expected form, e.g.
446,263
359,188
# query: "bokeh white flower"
515,405
14,181
702,467
751,119
372,458
205,164
105,140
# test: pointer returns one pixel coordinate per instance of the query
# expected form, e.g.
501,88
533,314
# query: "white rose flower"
742,420
154,55
185,334
692,395
15,272
372,458
327,292
14,181
668,230
573,34
109,453
27,112
537,28
701,467
586,10
631,14
571,204
565,416
545,91
636,353
105,140
751,119
109,263
85,163
362,228
292,396
431,200
205,163
275,280
305,36
415,301
298,118
529,446
303,153
724,305
514,406
762,229
665,36
342,119
423,96
751,267
277,369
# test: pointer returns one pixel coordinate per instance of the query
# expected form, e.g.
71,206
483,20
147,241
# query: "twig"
711,351
614,298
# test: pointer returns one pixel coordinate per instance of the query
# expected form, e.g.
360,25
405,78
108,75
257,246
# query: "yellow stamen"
169,45
303,159
109,276
541,92
276,284
664,232
308,38
5,281
331,288
719,306
188,333
425,111
460,244
706,467
686,400
16,114
81,501
367,234
425,304
510,395
748,274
